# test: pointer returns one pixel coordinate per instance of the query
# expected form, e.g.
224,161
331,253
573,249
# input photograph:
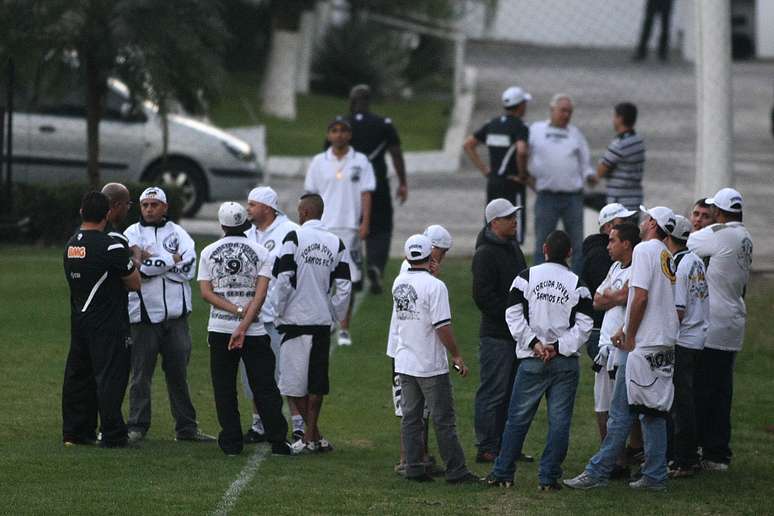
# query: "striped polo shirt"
626,158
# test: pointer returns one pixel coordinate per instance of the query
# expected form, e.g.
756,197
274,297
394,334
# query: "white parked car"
207,163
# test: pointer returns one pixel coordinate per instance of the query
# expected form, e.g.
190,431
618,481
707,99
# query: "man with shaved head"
119,201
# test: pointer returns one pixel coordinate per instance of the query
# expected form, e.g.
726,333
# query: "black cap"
340,120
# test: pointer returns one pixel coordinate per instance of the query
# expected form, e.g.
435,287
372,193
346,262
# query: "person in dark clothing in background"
497,260
375,136
662,8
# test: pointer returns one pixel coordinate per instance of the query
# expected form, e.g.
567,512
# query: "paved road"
597,80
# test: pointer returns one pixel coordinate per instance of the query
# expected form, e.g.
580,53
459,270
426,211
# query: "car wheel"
185,176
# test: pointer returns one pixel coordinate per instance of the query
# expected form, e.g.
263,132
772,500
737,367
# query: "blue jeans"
549,208
619,423
498,364
558,380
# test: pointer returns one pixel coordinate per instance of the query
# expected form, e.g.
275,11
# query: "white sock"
258,424
298,423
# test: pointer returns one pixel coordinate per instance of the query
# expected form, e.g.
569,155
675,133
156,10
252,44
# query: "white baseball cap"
664,217
153,193
264,195
499,208
682,228
727,199
417,247
613,211
514,96
232,214
438,236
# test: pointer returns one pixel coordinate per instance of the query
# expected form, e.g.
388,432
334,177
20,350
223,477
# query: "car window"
60,95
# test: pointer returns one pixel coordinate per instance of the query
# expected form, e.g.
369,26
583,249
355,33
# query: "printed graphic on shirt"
697,284
668,266
317,254
171,243
405,302
269,245
662,360
550,291
356,170
744,255
234,266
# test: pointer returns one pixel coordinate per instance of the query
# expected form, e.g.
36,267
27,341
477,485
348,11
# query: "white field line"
245,476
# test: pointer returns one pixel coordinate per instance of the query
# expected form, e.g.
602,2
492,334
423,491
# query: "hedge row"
49,214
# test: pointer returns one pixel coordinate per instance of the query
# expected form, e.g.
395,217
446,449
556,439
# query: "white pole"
714,118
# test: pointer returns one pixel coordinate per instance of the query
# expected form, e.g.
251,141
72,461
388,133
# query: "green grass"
164,477
421,122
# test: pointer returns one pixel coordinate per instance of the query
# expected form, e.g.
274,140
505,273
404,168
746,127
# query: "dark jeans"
259,359
682,432
378,249
436,392
96,375
549,208
662,8
497,370
172,340
558,381
499,187
714,393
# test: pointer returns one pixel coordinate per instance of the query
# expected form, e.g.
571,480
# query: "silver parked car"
207,163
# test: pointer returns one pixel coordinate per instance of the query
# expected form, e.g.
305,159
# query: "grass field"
421,122
39,476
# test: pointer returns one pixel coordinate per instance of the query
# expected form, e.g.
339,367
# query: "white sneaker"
323,445
709,465
302,448
344,338
135,436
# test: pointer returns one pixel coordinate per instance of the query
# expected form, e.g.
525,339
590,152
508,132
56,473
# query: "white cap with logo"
417,247
232,214
727,199
264,195
438,236
514,96
613,211
498,208
682,228
154,193
664,217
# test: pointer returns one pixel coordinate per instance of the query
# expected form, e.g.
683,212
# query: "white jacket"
166,289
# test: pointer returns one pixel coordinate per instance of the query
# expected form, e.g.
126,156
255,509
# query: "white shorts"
353,255
603,391
303,365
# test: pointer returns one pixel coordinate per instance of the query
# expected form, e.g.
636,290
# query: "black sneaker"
467,478
298,435
555,486
197,437
282,448
253,437
424,477
375,279
492,481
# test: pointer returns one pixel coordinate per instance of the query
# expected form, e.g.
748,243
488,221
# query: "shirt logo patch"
269,245
405,298
171,243
668,266
355,173
744,255
76,252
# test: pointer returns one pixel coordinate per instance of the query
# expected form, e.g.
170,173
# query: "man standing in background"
624,161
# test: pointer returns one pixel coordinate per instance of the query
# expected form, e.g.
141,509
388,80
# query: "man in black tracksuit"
498,259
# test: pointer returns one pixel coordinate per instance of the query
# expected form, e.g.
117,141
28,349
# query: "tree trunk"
305,51
279,87
94,93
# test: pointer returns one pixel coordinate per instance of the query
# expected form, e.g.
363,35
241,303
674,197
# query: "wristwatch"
240,311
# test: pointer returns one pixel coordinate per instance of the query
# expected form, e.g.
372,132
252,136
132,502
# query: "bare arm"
603,169
365,224
472,152
132,282
253,307
446,335
636,313
209,295
680,315
611,298
400,169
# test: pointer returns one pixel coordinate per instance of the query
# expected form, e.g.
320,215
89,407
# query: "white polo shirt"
232,266
653,270
420,305
691,296
340,182
559,158
729,248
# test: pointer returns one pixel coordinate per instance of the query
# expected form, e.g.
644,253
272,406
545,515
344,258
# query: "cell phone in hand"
457,368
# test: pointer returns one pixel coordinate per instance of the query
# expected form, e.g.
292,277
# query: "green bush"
49,214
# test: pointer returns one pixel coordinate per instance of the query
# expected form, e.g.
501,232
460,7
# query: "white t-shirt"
616,278
559,158
691,296
420,305
653,270
729,248
340,182
271,238
232,265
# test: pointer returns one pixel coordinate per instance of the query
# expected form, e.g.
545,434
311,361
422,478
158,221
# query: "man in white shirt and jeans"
345,180
729,247
559,163
420,330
